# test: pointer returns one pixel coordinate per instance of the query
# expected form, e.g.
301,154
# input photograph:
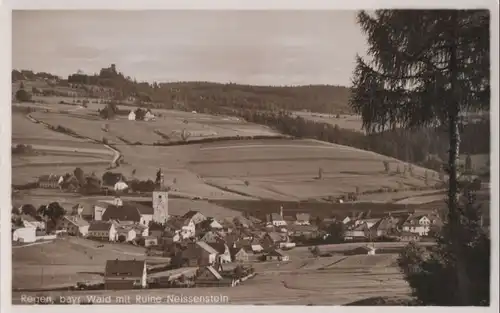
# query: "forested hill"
204,96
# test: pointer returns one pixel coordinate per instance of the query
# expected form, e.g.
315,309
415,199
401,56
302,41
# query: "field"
64,262
352,122
302,280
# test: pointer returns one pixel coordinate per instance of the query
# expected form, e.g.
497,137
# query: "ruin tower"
160,199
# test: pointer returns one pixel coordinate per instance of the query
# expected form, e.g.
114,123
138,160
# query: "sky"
248,47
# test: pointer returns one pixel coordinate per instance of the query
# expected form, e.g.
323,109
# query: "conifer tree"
426,68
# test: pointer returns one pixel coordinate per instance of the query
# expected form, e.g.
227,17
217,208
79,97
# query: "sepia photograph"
251,157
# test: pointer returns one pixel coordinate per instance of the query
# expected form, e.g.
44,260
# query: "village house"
419,224
73,225
303,230
125,233
199,254
120,186
141,230
50,181
238,254
194,216
209,224
131,115
302,219
241,221
223,253
23,234
211,237
105,231
276,219
273,240
149,116
185,227
35,222
77,209
208,276
110,179
277,255
408,236
357,232
125,274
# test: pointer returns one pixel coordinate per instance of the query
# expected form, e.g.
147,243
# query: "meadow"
301,281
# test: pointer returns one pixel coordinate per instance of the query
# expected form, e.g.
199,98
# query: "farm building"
208,276
273,240
149,116
125,274
238,255
23,234
223,253
103,231
241,221
50,181
185,227
199,254
73,225
277,255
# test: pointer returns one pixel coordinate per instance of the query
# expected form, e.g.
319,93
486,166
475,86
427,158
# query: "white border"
5,125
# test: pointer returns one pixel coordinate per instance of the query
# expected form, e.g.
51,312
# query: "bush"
23,96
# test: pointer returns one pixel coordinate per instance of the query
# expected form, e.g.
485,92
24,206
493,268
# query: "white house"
276,220
120,186
149,116
302,219
131,116
103,231
126,233
24,234
418,224
30,221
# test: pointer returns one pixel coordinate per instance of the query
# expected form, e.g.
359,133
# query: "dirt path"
116,153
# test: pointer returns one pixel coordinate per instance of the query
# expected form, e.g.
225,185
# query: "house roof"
275,237
305,228
100,226
28,218
206,247
190,214
234,251
407,233
214,272
49,178
241,220
254,220
77,221
129,211
219,247
276,217
124,268
303,217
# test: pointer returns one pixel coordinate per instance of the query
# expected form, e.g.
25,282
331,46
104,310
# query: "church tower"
160,199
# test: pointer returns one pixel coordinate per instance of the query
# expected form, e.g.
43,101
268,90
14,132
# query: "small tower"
160,199
281,211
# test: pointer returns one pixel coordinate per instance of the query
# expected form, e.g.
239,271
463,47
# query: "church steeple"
160,181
